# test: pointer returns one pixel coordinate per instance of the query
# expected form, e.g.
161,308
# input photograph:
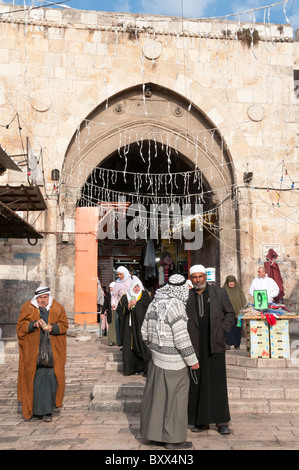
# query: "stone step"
263,390
238,365
133,405
241,359
237,389
9,348
114,365
266,396
264,407
240,372
129,405
262,374
130,390
255,385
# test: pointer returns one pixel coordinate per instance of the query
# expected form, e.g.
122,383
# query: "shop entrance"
165,188
148,149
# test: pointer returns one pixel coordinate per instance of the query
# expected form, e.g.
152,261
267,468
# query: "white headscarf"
197,268
123,270
112,284
41,291
135,281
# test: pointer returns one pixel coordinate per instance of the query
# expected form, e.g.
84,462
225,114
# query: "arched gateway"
147,148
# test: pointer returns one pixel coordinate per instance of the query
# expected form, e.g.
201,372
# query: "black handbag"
45,356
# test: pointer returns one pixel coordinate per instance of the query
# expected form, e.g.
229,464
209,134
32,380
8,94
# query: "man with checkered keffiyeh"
165,400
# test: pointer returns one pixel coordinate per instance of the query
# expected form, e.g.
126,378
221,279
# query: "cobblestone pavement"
76,428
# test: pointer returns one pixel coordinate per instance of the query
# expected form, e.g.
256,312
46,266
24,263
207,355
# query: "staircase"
116,392
254,385
257,386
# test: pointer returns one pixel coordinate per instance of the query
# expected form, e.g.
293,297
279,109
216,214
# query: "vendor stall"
267,330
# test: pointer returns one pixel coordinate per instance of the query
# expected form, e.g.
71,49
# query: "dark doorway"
147,173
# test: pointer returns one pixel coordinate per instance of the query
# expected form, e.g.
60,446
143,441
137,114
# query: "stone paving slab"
76,428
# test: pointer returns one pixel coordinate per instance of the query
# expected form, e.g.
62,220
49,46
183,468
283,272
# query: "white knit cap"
197,268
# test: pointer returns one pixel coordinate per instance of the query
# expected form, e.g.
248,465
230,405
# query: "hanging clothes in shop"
150,260
167,263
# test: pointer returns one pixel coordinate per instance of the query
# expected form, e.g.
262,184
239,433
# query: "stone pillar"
51,245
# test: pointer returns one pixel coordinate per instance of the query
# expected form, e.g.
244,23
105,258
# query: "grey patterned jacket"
164,330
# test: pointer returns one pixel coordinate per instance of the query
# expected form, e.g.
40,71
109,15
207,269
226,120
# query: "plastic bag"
45,356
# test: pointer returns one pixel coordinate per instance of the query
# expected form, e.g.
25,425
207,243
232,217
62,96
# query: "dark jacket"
222,318
107,307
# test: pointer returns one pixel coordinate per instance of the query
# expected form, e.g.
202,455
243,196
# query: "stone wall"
59,67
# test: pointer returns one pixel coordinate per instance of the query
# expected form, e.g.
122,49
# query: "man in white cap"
41,384
263,282
210,315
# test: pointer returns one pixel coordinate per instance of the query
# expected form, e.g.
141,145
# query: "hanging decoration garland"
167,180
144,186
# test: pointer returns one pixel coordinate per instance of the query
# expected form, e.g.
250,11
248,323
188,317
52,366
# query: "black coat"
222,318
107,307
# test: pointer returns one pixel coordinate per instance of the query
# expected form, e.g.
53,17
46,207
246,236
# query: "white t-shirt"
265,283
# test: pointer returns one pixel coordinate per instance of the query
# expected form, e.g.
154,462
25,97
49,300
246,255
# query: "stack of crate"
257,339
280,340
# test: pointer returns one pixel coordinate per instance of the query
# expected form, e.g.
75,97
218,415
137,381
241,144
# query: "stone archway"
163,116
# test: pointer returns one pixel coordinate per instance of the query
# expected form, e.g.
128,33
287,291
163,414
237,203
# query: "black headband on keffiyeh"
42,291
176,287
175,280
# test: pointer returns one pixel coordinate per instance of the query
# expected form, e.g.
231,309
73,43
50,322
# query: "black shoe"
200,428
37,417
47,418
155,443
223,429
180,445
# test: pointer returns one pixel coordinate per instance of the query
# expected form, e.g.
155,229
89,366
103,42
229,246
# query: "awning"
22,198
13,226
6,163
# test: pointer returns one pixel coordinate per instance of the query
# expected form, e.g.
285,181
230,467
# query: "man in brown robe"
40,314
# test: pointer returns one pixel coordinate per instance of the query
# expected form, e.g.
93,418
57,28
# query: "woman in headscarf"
41,386
131,310
122,284
238,301
164,410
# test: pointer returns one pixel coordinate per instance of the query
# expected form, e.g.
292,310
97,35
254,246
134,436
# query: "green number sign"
260,299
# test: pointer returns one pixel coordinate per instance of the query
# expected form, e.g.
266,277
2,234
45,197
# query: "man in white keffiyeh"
164,330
